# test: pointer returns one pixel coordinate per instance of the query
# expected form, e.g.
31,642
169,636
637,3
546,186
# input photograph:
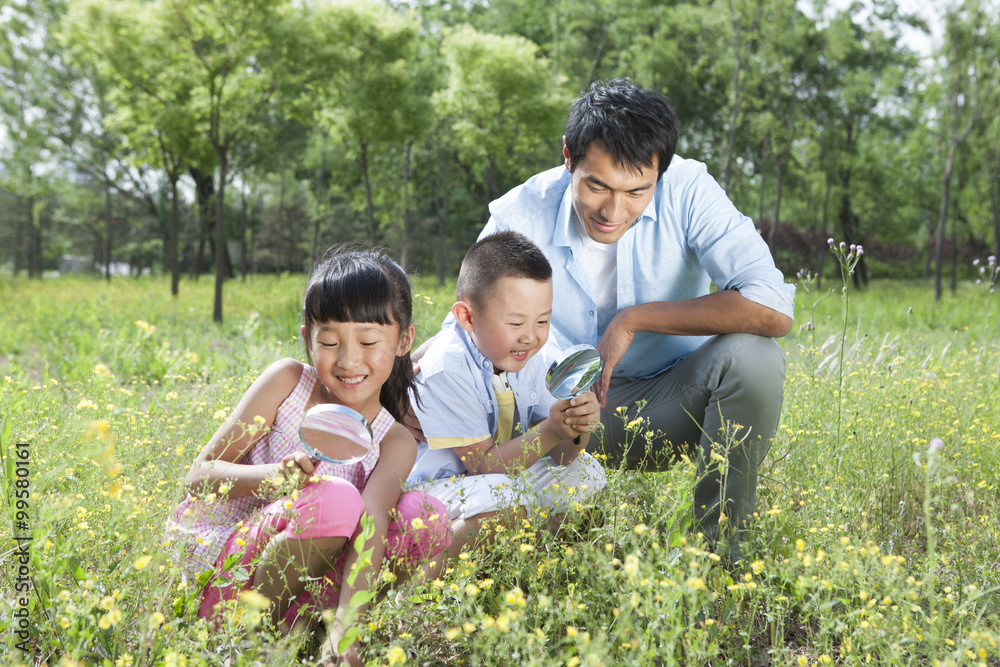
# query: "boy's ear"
463,315
569,167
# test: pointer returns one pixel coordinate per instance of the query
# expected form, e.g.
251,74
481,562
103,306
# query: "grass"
878,548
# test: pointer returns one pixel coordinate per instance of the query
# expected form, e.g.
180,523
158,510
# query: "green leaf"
361,597
347,639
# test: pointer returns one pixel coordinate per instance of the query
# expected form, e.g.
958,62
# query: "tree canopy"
126,126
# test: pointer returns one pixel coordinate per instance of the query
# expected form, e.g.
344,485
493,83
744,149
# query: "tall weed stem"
847,257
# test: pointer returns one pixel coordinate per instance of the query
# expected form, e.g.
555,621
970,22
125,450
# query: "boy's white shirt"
457,404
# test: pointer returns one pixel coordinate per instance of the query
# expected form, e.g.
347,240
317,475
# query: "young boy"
483,407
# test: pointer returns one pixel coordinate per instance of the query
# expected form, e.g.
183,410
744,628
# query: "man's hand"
616,339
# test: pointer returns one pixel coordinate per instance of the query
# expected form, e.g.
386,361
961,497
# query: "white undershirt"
600,261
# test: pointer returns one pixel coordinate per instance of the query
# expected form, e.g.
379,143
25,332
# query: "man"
636,236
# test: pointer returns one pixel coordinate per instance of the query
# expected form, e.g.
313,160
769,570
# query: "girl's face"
354,359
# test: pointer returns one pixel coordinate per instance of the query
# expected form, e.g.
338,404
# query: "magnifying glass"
574,373
335,434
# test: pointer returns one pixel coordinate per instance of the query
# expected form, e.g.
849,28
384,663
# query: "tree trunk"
953,285
763,180
492,189
942,215
243,235
847,226
204,188
35,240
777,206
825,219
109,225
404,257
372,228
220,240
174,239
945,192
25,234
281,261
319,194
738,41
993,183
441,201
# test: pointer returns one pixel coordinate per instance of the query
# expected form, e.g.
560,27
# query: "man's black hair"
504,254
629,123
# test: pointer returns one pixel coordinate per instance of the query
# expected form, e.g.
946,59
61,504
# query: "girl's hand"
297,467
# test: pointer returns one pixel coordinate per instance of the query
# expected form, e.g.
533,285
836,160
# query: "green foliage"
502,102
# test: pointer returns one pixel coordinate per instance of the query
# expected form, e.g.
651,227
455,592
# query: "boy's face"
513,324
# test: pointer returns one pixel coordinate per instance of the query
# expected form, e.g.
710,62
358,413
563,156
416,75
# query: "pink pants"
329,508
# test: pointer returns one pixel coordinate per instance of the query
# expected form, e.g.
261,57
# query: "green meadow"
876,538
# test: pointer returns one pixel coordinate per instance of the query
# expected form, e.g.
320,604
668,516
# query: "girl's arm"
381,494
216,462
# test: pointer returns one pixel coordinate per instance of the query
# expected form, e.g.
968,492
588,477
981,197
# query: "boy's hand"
570,418
297,467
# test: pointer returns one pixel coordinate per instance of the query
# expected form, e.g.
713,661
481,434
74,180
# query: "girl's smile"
354,359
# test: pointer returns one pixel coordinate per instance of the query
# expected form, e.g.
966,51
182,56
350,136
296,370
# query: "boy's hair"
629,123
363,286
502,255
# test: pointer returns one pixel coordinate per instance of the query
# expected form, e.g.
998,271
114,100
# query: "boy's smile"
513,325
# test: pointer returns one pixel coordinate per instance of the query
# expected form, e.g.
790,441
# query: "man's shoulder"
684,170
541,191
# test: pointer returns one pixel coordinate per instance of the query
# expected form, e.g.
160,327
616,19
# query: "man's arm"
717,313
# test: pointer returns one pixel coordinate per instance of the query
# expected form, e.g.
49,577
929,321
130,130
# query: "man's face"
608,197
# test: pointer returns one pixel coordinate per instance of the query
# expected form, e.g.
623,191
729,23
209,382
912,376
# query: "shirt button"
534,395
590,313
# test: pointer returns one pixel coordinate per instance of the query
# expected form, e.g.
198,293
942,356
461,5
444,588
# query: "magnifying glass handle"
576,440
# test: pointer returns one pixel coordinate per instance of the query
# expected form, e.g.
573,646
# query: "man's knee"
755,357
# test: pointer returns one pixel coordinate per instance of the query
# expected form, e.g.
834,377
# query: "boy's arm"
553,436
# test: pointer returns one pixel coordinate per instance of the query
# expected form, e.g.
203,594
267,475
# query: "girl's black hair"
364,286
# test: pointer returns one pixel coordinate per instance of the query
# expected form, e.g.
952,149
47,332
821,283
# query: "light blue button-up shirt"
457,400
688,237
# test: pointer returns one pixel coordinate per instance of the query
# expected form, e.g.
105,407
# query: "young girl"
357,329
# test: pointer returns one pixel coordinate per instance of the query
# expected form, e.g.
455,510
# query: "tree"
864,66
150,94
964,30
506,107
30,71
376,92
244,56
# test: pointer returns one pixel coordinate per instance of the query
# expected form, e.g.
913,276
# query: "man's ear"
566,155
463,314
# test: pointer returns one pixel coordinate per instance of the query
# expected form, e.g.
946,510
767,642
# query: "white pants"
544,484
